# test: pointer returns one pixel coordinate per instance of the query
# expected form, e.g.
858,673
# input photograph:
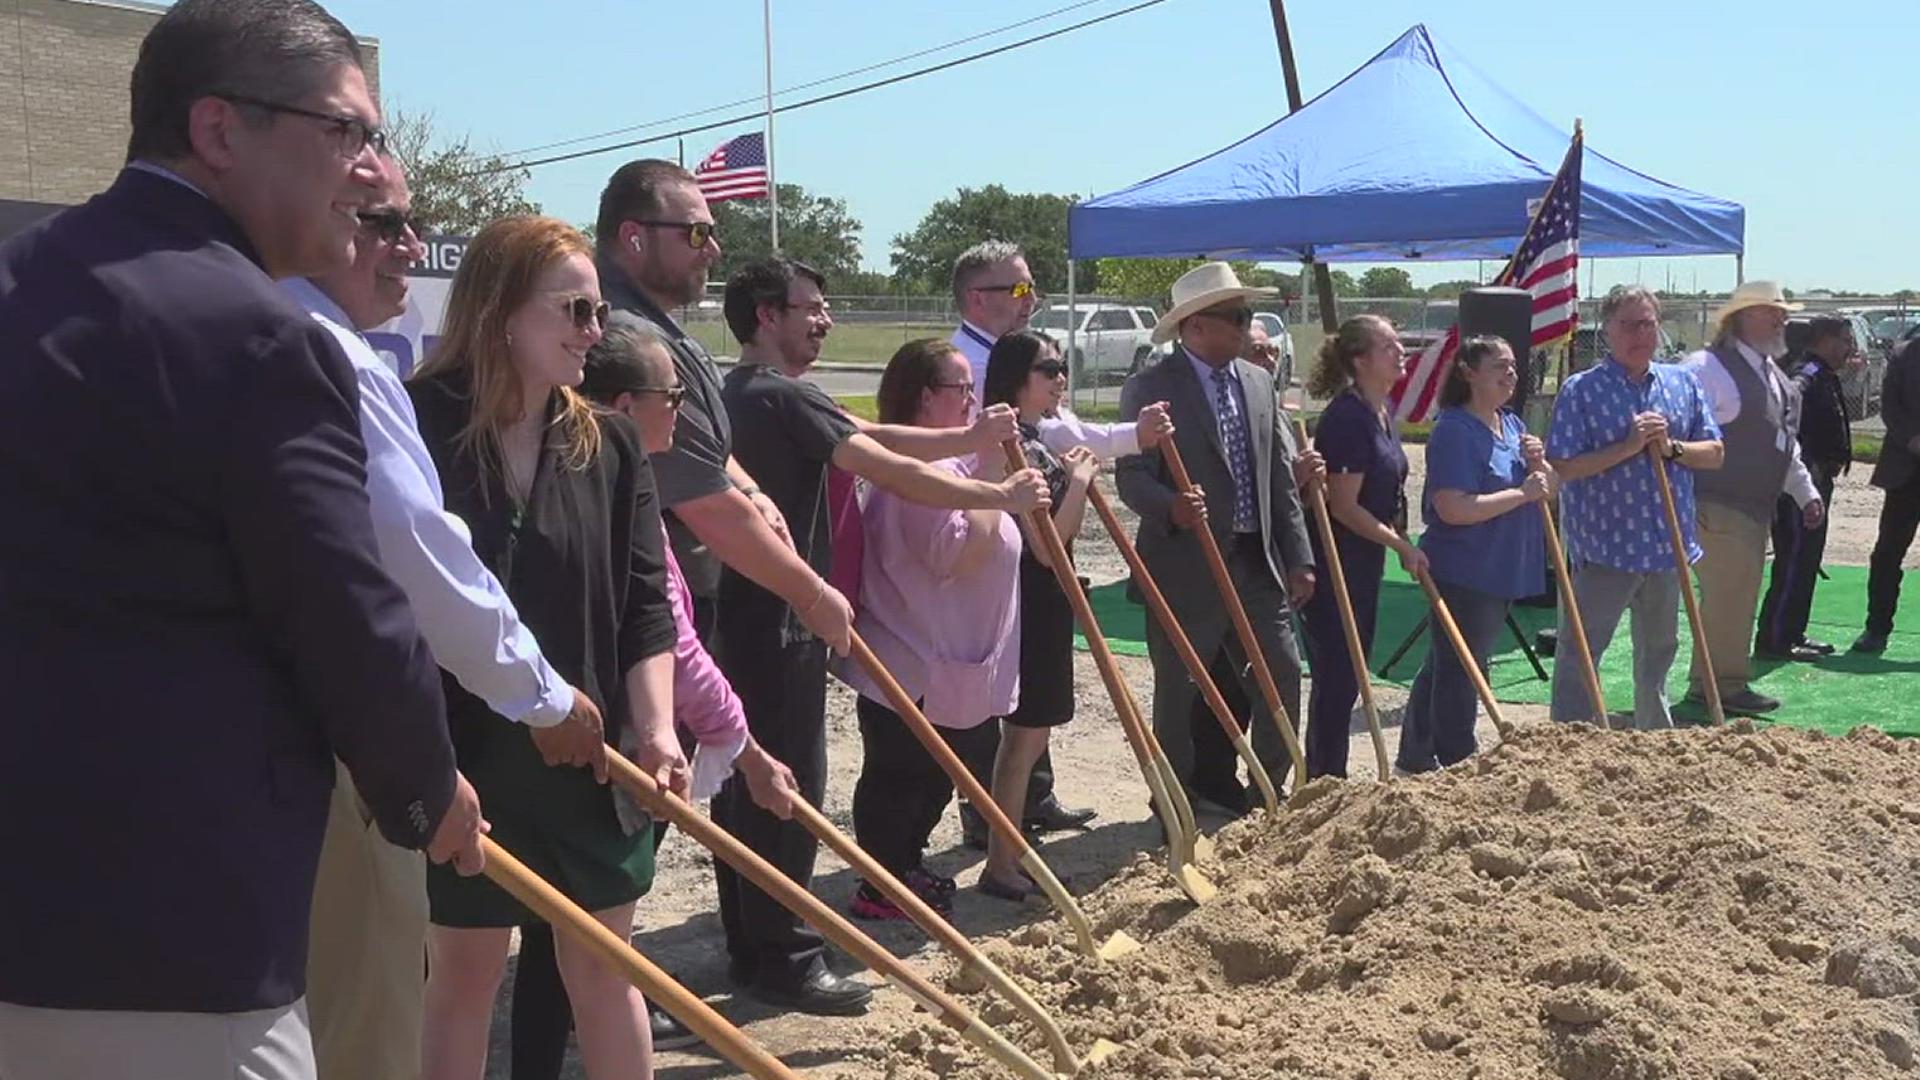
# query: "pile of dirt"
1732,903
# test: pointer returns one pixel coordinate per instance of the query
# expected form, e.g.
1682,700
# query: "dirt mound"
1597,906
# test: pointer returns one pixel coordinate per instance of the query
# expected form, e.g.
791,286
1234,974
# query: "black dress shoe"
1870,642
1748,702
1824,648
1798,654
741,970
973,828
821,993
1050,816
668,1033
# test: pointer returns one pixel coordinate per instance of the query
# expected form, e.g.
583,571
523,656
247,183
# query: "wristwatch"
1676,450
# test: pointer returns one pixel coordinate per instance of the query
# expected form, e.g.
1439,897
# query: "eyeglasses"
1019,290
391,226
1052,369
584,310
674,394
1241,317
353,134
816,308
1271,352
1638,326
965,388
698,232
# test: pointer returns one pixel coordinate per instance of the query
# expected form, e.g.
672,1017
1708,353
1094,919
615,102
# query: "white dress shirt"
463,612
1060,432
1723,397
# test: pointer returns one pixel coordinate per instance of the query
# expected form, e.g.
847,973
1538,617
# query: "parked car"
1109,340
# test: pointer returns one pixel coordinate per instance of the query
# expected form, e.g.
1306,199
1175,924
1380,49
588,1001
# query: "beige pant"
1734,552
82,1044
366,956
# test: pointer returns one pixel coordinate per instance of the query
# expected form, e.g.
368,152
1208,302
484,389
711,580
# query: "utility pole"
1322,278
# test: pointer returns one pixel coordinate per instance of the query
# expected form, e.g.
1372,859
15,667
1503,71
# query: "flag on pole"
1546,265
737,169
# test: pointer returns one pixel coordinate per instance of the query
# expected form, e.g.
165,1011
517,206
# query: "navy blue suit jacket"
193,616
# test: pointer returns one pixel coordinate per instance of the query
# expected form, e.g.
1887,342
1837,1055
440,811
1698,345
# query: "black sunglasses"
585,311
390,226
698,232
674,394
353,134
1050,368
1241,317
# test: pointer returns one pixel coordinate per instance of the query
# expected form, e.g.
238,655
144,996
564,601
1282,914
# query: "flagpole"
773,190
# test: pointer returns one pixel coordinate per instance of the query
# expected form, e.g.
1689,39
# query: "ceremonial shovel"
1578,625
1345,603
1685,574
1237,611
564,915
1196,668
791,896
963,779
1452,630
1169,798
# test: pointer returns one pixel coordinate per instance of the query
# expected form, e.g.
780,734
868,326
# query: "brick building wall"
64,69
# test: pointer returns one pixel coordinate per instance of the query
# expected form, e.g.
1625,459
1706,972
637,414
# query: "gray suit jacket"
1900,408
1145,484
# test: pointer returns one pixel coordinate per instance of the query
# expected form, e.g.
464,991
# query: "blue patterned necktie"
1233,431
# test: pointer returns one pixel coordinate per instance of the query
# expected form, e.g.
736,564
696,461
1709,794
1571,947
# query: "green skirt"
555,819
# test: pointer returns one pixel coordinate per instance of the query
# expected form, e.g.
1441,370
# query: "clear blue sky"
1801,114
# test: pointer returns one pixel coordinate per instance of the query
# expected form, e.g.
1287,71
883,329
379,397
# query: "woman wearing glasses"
560,499
1024,370
1366,476
1485,542
938,606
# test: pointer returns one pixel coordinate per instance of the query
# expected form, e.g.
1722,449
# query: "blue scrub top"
1353,440
1505,556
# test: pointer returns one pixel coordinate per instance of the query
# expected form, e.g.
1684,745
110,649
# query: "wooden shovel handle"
1237,613
567,917
1444,615
1684,571
786,892
1571,605
1343,600
1196,667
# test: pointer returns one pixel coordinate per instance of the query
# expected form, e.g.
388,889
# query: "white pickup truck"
1109,340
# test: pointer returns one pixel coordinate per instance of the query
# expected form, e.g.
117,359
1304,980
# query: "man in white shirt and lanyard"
995,293
369,926
1758,411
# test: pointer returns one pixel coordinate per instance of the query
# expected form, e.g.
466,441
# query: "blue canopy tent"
1418,154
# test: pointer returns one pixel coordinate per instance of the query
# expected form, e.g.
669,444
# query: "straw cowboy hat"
1200,288
1754,294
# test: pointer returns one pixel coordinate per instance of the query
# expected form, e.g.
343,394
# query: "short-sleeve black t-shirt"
785,431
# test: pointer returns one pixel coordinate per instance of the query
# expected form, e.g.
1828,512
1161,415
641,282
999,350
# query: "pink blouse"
952,640
703,701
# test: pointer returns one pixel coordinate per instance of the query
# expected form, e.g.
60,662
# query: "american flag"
1545,265
737,169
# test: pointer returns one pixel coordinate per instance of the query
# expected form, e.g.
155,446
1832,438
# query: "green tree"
1448,290
1037,222
1386,281
816,229
1152,279
455,188
1343,283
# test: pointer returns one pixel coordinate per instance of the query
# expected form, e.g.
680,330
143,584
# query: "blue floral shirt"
1615,518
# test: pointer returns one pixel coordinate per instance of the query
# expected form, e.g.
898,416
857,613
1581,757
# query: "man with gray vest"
1758,412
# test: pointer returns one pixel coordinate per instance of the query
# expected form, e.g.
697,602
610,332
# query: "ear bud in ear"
635,241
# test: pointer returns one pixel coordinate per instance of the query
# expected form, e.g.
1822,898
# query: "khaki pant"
84,1044
1733,555
366,957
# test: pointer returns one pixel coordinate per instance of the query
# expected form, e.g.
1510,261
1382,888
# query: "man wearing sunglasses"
995,293
369,921
193,611
1232,437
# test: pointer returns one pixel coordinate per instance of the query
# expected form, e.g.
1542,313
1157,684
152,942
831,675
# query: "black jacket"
193,616
1826,428
1900,409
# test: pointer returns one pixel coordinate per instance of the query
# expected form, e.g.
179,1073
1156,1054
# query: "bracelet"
817,597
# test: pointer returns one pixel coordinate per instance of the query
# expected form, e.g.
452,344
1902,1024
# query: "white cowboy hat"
1200,288
1754,294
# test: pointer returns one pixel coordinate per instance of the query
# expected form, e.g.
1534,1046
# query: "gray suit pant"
1177,704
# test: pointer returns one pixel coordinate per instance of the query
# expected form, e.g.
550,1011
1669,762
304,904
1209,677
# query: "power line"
755,99
820,100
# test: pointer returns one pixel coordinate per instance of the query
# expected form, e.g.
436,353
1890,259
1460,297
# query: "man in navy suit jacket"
193,617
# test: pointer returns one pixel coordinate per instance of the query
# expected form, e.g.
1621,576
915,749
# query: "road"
839,382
